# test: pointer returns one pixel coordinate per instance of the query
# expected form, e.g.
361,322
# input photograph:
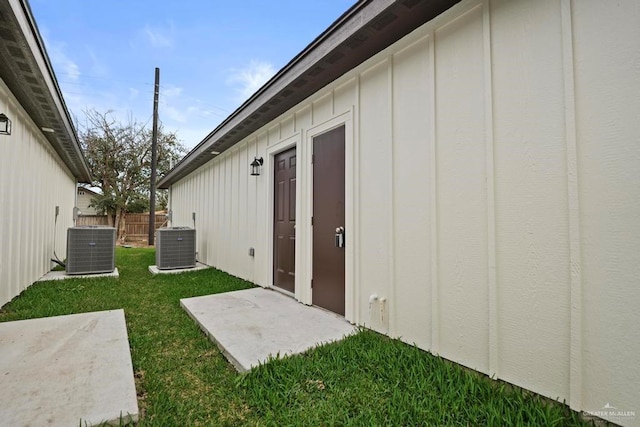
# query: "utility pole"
154,161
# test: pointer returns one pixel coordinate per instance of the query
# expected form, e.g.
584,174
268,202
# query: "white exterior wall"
33,181
83,201
493,194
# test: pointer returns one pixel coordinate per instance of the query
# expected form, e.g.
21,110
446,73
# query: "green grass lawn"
183,380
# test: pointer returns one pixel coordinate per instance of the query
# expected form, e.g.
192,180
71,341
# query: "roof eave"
26,69
364,30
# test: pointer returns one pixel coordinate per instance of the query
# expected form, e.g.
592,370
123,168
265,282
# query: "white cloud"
60,60
173,113
98,68
71,68
68,75
170,91
171,104
194,133
159,37
250,78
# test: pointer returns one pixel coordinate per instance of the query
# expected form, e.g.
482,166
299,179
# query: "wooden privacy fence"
136,226
92,220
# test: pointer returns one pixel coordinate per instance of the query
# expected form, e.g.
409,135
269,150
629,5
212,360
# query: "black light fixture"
255,166
5,125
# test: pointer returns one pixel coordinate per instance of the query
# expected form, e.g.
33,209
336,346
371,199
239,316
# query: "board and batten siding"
33,181
493,195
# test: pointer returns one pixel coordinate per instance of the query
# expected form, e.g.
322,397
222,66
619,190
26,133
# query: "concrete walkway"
252,324
66,371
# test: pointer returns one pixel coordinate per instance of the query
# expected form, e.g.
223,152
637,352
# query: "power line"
82,75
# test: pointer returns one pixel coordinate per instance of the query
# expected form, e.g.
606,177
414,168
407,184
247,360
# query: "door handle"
339,237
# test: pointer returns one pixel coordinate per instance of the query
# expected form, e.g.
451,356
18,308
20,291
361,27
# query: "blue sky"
212,54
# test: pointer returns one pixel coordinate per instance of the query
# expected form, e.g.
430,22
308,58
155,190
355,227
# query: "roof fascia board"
29,29
347,25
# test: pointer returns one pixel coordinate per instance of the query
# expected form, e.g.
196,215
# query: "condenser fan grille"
175,248
90,250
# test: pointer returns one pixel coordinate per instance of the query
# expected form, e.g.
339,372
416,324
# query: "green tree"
119,156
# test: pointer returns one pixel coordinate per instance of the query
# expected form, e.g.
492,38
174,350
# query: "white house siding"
84,200
33,181
493,194
607,100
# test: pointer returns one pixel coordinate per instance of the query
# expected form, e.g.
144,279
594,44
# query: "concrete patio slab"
66,370
250,325
62,275
199,266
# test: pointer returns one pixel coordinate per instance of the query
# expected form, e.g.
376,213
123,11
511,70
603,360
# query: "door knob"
339,242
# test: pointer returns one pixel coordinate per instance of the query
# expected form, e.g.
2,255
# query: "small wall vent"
91,250
175,248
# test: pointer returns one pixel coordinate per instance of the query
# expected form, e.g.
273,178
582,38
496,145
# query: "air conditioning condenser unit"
91,250
175,248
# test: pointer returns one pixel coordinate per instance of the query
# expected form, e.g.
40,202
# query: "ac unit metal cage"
91,250
175,248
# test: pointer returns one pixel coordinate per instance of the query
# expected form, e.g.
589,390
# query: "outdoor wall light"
255,166
5,125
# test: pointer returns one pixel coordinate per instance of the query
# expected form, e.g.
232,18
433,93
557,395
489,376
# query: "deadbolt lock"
339,237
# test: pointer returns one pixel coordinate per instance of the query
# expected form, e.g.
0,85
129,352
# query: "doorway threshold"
282,291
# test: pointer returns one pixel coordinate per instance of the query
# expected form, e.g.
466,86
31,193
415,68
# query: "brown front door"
284,217
328,218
